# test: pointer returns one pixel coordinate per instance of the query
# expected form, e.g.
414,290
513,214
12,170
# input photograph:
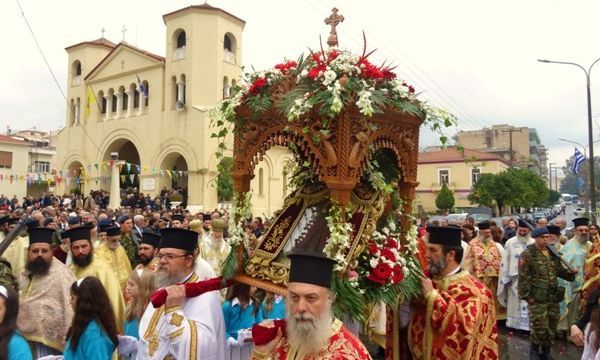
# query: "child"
273,307
241,310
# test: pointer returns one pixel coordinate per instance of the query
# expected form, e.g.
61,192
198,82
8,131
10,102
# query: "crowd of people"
542,282
90,272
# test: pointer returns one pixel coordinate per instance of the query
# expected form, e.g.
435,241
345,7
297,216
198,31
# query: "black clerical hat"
12,221
32,224
113,231
310,268
79,233
206,217
553,229
445,235
178,238
523,224
581,221
150,238
40,235
104,224
4,219
484,225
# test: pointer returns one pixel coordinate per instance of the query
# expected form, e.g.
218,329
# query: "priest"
483,261
575,253
312,330
215,248
45,288
147,251
114,255
517,316
456,319
184,328
86,264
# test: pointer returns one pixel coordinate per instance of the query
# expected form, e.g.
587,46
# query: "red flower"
257,85
372,247
388,74
381,273
388,254
316,71
332,56
410,88
392,243
398,275
285,67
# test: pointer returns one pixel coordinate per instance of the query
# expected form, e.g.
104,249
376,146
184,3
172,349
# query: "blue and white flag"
142,87
578,159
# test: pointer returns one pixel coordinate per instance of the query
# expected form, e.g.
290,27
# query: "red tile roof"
205,7
10,139
98,42
451,154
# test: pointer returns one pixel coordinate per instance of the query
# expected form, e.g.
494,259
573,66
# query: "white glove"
127,344
244,336
51,357
231,342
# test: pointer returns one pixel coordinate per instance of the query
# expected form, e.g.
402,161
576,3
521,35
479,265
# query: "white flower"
364,103
392,226
373,262
329,76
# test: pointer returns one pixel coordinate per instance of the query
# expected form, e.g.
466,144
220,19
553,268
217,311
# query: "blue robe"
237,318
132,328
93,344
18,348
277,311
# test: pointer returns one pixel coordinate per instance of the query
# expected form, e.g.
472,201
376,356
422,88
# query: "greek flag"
578,159
142,88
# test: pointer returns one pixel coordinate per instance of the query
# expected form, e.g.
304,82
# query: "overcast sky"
475,58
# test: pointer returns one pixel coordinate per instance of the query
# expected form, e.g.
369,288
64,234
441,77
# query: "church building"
152,111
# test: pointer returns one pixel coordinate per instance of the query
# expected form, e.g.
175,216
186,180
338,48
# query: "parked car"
579,211
456,218
480,214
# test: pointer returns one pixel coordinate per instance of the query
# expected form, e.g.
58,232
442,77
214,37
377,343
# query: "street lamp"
590,130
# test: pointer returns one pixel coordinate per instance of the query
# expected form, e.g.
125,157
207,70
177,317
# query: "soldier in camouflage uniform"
6,275
538,285
129,240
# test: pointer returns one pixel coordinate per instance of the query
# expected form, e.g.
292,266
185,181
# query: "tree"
445,199
224,180
553,197
568,185
489,190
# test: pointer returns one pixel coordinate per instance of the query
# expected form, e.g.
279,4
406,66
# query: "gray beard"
523,239
309,337
163,279
582,238
437,268
485,239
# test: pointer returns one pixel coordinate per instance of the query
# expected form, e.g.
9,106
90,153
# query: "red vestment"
456,322
343,345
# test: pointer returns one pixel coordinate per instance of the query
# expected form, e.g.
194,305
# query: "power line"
37,44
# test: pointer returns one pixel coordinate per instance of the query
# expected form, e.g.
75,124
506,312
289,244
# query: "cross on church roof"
333,20
103,31
124,30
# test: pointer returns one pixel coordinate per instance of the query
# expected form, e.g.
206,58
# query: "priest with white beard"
312,330
214,248
183,328
517,310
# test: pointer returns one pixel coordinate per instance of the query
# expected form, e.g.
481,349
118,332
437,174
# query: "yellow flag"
91,99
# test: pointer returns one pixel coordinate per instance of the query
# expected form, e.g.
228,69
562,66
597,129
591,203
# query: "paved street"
515,346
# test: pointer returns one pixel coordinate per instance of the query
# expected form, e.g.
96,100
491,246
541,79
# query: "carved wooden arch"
258,140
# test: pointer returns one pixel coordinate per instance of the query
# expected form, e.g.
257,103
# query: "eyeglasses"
169,257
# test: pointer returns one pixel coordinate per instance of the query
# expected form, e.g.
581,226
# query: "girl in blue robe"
273,307
13,345
93,333
240,312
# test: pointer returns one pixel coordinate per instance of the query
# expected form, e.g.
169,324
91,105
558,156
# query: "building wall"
460,181
20,160
159,136
500,140
268,197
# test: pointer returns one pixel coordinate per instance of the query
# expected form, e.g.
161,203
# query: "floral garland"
339,238
326,81
237,236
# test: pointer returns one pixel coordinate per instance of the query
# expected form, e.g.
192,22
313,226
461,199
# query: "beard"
436,268
485,239
144,260
38,266
582,238
308,333
164,279
523,239
83,260
113,245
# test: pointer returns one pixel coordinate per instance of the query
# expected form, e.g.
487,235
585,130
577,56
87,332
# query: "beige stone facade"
527,149
169,129
459,171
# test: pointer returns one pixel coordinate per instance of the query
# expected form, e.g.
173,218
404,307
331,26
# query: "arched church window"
181,39
228,43
104,102
226,89
76,68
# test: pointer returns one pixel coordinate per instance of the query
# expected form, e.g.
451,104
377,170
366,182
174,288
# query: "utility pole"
510,133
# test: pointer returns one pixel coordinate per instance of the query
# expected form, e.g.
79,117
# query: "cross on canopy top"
333,20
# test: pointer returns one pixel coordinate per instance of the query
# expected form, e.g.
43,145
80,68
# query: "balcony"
179,54
229,57
76,80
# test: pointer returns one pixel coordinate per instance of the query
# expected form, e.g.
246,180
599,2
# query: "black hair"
458,252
